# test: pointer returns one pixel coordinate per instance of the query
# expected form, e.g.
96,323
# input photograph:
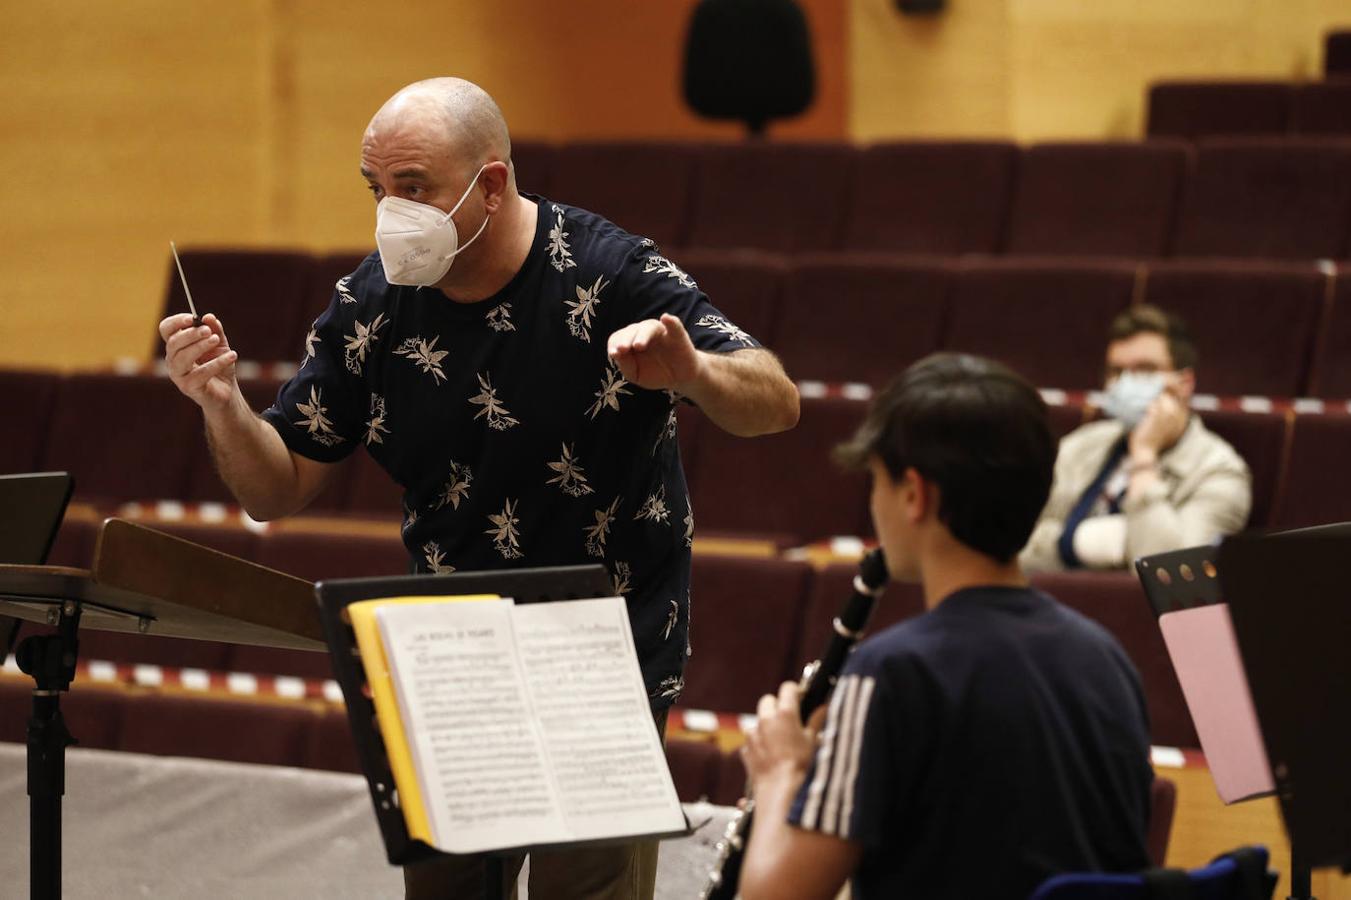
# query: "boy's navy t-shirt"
982,747
516,441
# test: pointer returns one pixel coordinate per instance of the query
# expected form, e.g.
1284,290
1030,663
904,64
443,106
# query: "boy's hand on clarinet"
199,359
780,746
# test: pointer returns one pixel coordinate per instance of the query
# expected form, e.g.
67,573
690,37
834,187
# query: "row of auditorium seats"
132,438
1198,109
1243,197
1240,198
1277,328
755,623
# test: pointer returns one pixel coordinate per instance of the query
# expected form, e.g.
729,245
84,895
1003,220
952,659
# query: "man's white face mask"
418,242
1130,394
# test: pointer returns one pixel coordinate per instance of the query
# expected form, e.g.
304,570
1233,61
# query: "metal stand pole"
50,659
1301,877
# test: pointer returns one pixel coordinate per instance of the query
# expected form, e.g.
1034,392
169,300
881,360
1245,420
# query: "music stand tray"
522,585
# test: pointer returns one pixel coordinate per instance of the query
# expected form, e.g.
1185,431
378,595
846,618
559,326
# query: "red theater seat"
1254,324
831,586
1317,487
1262,439
329,743
1101,199
276,661
1332,367
747,288
1118,603
256,294
123,437
782,484
865,320
150,649
695,768
533,162
74,544
644,188
769,196
316,555
216,728
28,400
930,197
1046,319
1286,198
1064,418
744,631
1196,109
1323,107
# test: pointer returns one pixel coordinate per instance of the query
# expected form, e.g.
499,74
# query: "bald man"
514,363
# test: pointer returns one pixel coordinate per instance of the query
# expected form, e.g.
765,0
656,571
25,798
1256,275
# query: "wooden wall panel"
131,123
1045,69
125,124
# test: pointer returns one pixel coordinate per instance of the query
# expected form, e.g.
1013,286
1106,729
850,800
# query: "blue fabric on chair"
1241,875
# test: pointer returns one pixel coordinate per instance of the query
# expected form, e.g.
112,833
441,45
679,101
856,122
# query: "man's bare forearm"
746,393
253,462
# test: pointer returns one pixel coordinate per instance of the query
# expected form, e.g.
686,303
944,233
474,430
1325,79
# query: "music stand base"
50,659
1301,877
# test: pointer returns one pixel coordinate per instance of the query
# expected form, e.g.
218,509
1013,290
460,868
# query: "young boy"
994,741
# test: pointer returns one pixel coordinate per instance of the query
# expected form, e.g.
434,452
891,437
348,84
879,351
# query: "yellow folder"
376,664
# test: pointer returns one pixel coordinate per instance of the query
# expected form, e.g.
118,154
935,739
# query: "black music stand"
522,585
142,582
1288,598
1279,590
31,509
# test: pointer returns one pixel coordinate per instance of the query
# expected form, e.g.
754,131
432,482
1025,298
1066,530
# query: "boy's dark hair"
977,430
1146,319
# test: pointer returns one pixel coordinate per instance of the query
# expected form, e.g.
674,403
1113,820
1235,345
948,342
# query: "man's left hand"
779,745
655,353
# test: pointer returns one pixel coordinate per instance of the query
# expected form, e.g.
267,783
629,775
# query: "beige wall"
1045,69
132,122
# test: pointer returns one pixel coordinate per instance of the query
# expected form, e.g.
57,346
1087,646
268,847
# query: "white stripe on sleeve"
811,810
855,751
830,823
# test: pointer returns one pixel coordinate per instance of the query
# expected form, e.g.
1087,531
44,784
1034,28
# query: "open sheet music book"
512,726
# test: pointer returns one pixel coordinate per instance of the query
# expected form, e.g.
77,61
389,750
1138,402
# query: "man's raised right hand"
200,361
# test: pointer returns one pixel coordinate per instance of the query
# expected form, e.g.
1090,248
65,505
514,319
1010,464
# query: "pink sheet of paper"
1205,655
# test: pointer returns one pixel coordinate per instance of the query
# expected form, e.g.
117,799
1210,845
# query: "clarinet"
818,679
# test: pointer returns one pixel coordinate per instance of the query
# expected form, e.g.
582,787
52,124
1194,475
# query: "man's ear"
495,178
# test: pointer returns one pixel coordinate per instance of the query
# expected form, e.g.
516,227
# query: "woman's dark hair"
977,430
